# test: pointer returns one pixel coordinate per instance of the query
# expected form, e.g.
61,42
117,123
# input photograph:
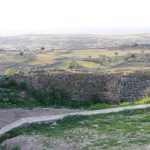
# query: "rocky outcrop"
22,143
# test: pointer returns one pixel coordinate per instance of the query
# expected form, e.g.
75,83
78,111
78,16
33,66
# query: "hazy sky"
73,16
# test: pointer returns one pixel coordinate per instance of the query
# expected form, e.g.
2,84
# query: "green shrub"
16,148
55,97
69,119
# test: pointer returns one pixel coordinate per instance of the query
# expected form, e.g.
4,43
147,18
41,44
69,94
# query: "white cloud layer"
72,16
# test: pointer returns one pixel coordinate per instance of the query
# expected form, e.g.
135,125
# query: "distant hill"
76,41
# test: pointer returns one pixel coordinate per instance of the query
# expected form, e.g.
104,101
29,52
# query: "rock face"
22,143
93,87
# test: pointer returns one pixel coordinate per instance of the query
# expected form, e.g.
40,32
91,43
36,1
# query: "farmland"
81,60
90,53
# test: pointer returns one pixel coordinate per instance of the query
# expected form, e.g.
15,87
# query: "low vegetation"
123,130
10,71
102,106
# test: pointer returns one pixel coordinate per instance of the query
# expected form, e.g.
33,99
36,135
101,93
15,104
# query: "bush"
116,53
16,148
72,119
74,65
54,97
133,56
95,99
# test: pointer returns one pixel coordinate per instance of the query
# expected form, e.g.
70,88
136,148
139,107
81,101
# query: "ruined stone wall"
93,87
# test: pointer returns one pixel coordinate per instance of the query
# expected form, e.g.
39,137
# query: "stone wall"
93,87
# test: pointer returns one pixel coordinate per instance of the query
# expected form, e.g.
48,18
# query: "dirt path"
10,119
11,115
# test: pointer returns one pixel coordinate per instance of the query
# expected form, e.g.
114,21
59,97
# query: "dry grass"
42,59
88,64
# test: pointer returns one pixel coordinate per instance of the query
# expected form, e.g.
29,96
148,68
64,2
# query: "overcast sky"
74,16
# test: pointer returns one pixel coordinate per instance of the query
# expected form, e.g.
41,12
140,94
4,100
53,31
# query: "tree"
116,53
115,87
74,65
21,53
133,56
134,45
42,48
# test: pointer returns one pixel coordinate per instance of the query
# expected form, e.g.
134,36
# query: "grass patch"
117,129
16,148
68,122
88,64
103,105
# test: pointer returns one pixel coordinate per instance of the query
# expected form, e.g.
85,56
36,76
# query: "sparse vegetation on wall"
111,88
